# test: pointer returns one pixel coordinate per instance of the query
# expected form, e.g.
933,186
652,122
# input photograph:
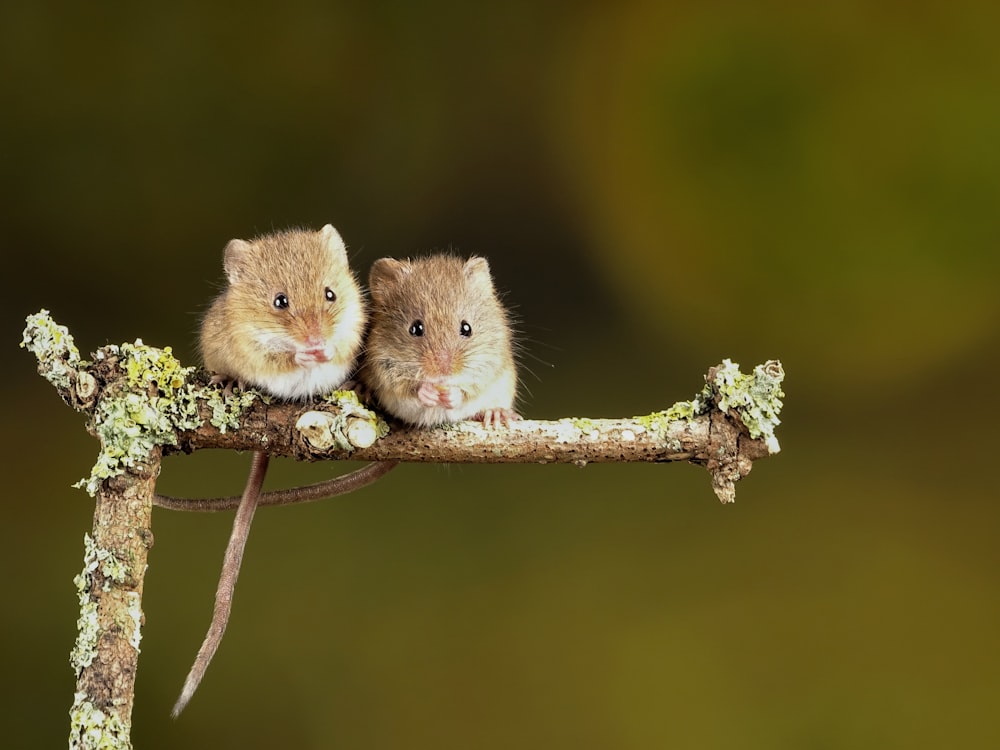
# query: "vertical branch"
106,653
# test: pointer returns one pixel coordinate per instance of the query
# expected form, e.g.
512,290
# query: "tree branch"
142,403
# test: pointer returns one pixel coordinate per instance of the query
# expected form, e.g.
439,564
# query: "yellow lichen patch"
154,402
158,402
342,398
658,422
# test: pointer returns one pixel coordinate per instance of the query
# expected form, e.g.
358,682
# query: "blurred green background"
658,186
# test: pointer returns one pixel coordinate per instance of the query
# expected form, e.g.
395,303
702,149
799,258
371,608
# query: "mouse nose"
440,363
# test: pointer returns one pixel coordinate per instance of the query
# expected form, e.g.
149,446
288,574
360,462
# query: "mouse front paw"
427,395
435,396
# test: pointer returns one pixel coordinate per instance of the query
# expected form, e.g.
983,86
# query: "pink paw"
439,396
427,394
450,398
492,418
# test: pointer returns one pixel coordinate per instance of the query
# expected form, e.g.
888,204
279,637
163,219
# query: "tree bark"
106,654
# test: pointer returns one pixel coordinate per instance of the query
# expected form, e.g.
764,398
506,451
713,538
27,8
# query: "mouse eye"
330,295
280,301
465,329
417,328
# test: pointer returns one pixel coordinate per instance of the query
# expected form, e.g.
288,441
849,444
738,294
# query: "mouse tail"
227,581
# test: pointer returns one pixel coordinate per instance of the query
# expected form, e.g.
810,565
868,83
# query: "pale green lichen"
113,570
658,423
95,558
228,410
754,397
87,627
161,402
54,348
135,616
573,429
93,729
567,430
697,406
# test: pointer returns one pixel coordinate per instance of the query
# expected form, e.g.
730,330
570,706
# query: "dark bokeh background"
658,186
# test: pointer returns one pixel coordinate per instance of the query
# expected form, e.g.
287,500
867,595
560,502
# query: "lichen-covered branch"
726,427
141,403
729,424
106,654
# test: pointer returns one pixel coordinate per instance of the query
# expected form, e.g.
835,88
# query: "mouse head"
437,318
297,294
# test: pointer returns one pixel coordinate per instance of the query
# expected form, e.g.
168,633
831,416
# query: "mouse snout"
314,350
439,363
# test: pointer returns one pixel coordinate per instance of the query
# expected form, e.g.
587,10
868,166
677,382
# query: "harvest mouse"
291,320
439,346
290,323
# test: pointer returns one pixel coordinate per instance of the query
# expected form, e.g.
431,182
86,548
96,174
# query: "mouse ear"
334,243
385,271
477,271
234,259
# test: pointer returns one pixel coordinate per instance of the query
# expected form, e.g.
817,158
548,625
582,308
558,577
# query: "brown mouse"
439,348
291,320
290,323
